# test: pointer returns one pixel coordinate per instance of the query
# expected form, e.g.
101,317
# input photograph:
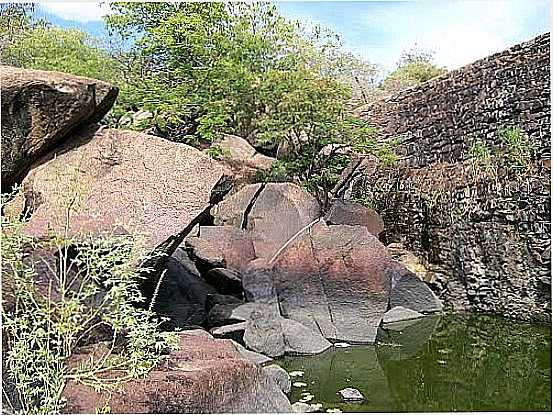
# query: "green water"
452,363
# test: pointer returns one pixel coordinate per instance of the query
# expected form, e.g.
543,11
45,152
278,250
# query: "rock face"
143,184
270,214
335,279
487,234
40,109
351,213
204,376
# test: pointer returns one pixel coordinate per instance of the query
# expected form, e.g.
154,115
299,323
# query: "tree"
414,67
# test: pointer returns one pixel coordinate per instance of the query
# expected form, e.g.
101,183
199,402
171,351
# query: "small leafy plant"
62,293
519,147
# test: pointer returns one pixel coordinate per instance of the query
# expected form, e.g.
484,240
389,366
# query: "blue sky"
458,31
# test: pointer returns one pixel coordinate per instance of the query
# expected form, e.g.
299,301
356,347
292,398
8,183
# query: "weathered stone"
181,295
257,358
334,279
271,214
300,340
232,331
232,211
351,394
204,253
304,408
234,243
40,109
203,376
143,184
280,376
484,227
264,332
241,157
351,213
399,313
410,292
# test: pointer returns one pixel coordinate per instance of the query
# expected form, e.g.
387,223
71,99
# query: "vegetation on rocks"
202,70
60,295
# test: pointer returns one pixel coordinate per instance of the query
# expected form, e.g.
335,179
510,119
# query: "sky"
457,31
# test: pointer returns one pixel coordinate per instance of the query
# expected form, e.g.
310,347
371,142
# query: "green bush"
87,290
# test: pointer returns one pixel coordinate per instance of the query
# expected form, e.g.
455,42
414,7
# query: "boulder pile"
260,267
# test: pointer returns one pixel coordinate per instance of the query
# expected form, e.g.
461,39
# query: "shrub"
86,290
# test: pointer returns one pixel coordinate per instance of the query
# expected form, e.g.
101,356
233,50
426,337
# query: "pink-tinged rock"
270,214
351,213
335,279
204,376
234,243
150,187
40,109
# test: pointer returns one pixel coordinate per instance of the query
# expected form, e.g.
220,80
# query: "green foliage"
414,68
57,294
518,145
37,45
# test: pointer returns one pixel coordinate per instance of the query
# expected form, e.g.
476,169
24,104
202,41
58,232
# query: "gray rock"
351,394
304,408
300,340
257,358
400,313
281,377
231,331
263,332
410,292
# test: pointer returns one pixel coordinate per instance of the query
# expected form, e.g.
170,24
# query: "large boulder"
271,214
242,158
40,109
335,279
113,179
203,376
350,213
234,244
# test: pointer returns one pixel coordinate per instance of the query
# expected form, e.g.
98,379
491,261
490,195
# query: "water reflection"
458,363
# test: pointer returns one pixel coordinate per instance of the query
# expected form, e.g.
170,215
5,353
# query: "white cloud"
77,11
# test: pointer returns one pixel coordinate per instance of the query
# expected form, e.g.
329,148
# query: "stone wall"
482,225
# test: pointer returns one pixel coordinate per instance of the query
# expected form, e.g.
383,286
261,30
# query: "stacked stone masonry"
483,229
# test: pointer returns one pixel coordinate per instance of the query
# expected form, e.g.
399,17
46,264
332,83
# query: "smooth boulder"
336,280
270,214
40,109
146,185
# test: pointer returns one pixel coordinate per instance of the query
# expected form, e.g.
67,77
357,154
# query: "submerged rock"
400,313
203,376
351,394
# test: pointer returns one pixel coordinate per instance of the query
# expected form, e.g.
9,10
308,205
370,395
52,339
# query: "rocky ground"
258,265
